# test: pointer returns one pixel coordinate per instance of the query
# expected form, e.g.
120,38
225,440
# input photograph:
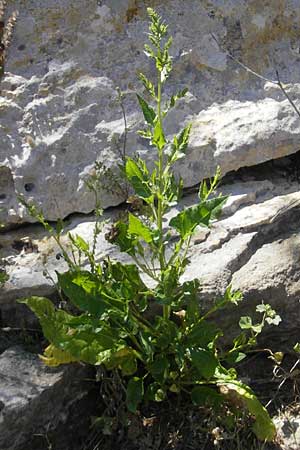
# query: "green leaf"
148,111
273,320
83,290
3,277
83,337
203,395
179,145
204,361
167,332
176,97
188,219
147,84
60,225
155,392
79,242
202,334
123,359
296,347
137,228
134,393
207,187
146,339
159,368
245,323
125,242
138,176
87,293
158,136
263,427
235,357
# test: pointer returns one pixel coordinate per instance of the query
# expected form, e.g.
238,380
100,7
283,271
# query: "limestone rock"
34,399
288,429
59,107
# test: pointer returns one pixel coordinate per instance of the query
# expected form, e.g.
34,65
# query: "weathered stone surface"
35,399
59,110
288,429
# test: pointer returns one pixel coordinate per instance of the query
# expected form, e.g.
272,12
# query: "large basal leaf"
54,323
203,395
124,359
187,220
263,427
204,361
80,336
134,393
54,357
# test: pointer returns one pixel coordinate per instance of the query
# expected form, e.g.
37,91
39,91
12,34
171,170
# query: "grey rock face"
35,399
59,110
288,428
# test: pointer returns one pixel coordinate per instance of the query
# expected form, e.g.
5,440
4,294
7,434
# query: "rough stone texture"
59,110
35,399
288,429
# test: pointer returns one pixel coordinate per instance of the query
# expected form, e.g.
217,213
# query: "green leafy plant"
156,334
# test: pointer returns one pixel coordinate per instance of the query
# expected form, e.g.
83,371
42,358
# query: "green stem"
162,261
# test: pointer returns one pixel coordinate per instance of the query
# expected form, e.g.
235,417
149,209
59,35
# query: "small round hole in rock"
29,187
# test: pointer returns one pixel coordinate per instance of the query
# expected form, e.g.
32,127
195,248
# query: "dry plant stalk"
6,32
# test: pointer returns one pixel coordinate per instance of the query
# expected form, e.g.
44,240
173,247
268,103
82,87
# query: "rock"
35,399
59,107
288,429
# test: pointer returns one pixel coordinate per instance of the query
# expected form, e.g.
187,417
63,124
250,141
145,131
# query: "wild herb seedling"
117,324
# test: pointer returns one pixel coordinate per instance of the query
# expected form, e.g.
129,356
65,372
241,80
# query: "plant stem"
162,262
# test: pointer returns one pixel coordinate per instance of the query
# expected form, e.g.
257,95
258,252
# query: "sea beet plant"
159,338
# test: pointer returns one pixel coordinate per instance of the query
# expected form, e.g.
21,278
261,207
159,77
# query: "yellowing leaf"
54,357
263,427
